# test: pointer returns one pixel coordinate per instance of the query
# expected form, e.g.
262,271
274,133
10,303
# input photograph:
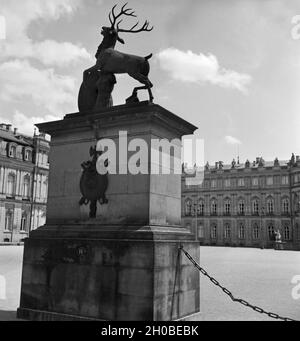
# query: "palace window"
200,208
214,207
255,182
285,180
213,183
23,227
270,206
287,233
13,151
227,183
255,207
8,220
188,207
285,206
227,231
241,207
241,182
213,231
200,231
28,155
11,184
227,207
271,231
255,232
26,187
270,181
241,231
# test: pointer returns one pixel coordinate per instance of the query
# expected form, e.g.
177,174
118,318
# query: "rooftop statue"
99,80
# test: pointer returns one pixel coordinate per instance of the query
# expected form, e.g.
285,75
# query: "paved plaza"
262,277
11,271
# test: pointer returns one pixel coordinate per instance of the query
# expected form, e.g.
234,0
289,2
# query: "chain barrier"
229,293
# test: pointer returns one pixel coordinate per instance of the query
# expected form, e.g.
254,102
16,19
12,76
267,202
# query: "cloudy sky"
231,67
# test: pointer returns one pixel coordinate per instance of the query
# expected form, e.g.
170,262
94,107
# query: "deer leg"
144,80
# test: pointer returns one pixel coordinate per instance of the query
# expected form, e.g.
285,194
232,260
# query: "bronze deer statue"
110,61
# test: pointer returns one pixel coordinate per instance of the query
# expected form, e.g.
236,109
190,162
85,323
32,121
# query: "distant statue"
221,165
261,162
278,236
293,160
233,163
247,164
98,80
207,166
276,162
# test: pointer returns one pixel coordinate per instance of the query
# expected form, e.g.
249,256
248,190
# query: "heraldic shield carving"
93,185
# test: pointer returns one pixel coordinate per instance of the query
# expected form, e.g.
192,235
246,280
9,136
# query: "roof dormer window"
13,151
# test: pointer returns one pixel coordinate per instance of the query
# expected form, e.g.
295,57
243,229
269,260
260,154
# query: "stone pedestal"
124,265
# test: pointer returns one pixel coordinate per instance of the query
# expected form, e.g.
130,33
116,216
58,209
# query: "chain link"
228,293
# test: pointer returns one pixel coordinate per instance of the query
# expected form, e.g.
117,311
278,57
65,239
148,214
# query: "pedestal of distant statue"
118,260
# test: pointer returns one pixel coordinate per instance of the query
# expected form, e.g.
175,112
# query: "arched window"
200,208
227,207
8,220
271,231
285,206
200,231
28,155
213,231
255,207
26,186
213,207
241,207
241,231
12,151
227,231
24,221
255,232
270,206
287,233
11,184
188,207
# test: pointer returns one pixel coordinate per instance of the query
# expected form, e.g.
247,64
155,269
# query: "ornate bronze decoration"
93,185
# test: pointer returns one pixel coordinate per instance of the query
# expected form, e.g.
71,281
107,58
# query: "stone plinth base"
111,273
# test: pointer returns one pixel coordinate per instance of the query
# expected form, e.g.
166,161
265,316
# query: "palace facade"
24,172
244,204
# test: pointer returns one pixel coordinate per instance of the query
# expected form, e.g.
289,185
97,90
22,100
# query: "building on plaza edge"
244,204
24,172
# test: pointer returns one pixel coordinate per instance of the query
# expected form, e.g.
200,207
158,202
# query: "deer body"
117,62
111,61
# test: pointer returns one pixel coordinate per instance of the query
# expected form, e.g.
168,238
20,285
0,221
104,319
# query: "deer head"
112,32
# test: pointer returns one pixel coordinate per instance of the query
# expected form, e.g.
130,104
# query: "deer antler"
144,28
124,11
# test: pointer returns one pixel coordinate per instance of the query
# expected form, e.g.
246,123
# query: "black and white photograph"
149,164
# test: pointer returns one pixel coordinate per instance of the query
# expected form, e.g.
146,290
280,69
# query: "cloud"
232,140
20,79
26,124
48,52
20,14
199,68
